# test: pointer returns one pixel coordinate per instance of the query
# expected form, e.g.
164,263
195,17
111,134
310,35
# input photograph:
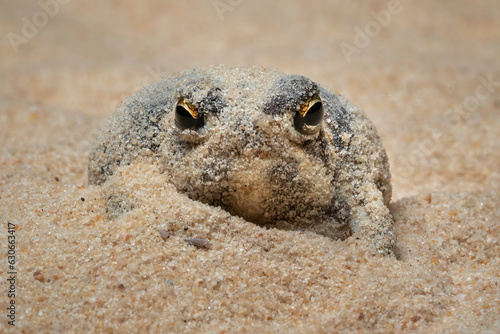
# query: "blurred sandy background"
428,77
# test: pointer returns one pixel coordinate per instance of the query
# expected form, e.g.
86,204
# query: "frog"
276,149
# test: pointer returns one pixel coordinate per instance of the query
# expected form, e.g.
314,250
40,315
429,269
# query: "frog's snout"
250,190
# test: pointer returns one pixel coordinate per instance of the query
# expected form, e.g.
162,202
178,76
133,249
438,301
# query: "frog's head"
254,142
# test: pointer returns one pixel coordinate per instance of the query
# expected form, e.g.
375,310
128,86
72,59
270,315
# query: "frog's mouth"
268,190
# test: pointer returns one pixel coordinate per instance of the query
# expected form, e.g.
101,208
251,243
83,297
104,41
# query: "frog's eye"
187,116
308,118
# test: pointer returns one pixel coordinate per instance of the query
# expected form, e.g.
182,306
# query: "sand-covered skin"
253,153
81,272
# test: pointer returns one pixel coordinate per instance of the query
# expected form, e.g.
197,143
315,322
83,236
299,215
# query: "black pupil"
314,115
184,119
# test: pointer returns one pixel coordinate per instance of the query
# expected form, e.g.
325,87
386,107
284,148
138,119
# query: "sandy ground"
430,81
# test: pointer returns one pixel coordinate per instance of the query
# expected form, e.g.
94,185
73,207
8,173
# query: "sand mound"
82,271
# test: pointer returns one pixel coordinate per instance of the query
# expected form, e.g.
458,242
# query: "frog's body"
243,150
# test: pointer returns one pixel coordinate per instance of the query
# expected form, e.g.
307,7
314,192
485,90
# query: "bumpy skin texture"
249,159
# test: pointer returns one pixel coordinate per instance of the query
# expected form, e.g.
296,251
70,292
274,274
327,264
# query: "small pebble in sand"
199,242
39,276
163,234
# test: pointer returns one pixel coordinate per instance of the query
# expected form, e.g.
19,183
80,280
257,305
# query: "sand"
429,80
